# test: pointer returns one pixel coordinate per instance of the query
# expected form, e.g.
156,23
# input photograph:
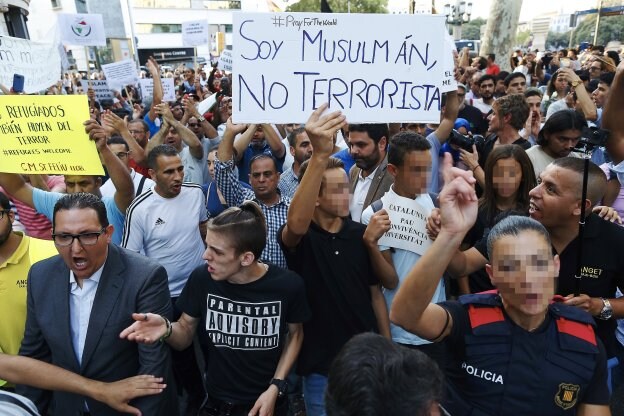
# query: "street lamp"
456,15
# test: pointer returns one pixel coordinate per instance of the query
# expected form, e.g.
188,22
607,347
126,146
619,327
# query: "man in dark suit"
369,178
78,303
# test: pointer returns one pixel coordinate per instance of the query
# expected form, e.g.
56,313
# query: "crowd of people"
240,269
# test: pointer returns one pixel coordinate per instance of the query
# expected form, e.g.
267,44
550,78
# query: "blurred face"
82,183
168,176
264,178
517,86
303,148
595,69
500,87
177,111
556,198
121,152
534,104
221,258
486,89
139,133
506,177
561,84
258,138
363,149
195,127
173,139
290,127
524,271
83,260
599,96
333,199
412,177
211,161
560,144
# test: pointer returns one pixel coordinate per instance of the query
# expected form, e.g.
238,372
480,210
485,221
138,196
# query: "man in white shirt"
487,84
120,148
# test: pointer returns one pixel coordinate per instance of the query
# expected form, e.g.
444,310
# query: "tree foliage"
611,28
341,6
557,40
472,29
522,38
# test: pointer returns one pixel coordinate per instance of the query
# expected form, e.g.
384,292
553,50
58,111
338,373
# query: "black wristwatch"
282,386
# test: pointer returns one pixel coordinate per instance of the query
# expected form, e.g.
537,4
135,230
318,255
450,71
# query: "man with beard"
301,150
486,84
259,139
478,124
369,179
17,253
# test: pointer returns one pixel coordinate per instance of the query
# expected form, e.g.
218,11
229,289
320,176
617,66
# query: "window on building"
56,4
222,4
144,28
163,4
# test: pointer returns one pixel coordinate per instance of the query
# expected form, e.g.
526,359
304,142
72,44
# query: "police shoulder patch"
567,395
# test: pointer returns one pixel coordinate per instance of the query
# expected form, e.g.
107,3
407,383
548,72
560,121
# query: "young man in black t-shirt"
248,316
326,249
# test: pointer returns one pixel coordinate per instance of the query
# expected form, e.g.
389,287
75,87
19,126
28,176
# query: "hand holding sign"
236,128
379,224
321,130
96,133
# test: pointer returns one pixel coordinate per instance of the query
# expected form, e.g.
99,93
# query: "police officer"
515,351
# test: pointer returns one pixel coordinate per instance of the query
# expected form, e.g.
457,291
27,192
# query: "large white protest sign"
100,87
39,63
119,74
225,60
195,33
288,64
81,29
147,88
450,83
408,224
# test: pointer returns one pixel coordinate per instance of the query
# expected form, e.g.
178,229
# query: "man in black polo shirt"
555,203
326,248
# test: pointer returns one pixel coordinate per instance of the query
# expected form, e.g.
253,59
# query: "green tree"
472,29
522,38
557,40
341,6
611,28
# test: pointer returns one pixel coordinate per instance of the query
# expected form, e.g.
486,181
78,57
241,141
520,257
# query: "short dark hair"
373,376
491,56
533,92
81,200
560,121
403,143
482,63
485,78
244,225
596,179
502,75
332,163
512,76
607,78
292,136
517,106
5,204
513,225
375,131
262,156
141,122
160,150
116,139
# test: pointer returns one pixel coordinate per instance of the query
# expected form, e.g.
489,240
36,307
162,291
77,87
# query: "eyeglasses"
85,239
122,155
4,211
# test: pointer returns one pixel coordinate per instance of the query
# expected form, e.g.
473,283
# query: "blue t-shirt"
154,126
434,184
44,204
250,152
346,158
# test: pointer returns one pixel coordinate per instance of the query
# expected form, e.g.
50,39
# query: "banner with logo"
147,88
81,29
39,63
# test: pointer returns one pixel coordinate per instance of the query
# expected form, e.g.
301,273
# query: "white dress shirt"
359,194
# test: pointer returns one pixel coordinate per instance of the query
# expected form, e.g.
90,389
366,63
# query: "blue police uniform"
499,368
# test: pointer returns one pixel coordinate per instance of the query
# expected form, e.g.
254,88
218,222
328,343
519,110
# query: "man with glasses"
17,253
120,148
78,302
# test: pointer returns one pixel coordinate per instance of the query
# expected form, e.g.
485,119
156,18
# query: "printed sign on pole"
43,134
195,33
82,29
119,74
225,60
100,87
147,88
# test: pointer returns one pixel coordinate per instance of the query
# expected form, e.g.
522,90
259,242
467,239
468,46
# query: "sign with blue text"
372,67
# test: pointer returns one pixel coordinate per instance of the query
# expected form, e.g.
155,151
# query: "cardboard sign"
100,87
43,134
225,60
81,29
119,74
288,64
39,63
195,33
408,221
147,88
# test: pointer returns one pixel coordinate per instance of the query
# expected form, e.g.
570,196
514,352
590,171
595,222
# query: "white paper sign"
288,64
81,29
408,224
225,60
195,33
119,74
147,88
100,87
450,83
39,63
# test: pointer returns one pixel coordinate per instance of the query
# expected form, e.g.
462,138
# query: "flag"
81,29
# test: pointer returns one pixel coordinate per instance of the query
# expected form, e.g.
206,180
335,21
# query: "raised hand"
321,129
147,328
458,199
96,133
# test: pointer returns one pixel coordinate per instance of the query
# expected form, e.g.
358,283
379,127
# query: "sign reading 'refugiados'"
374,68
44,134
